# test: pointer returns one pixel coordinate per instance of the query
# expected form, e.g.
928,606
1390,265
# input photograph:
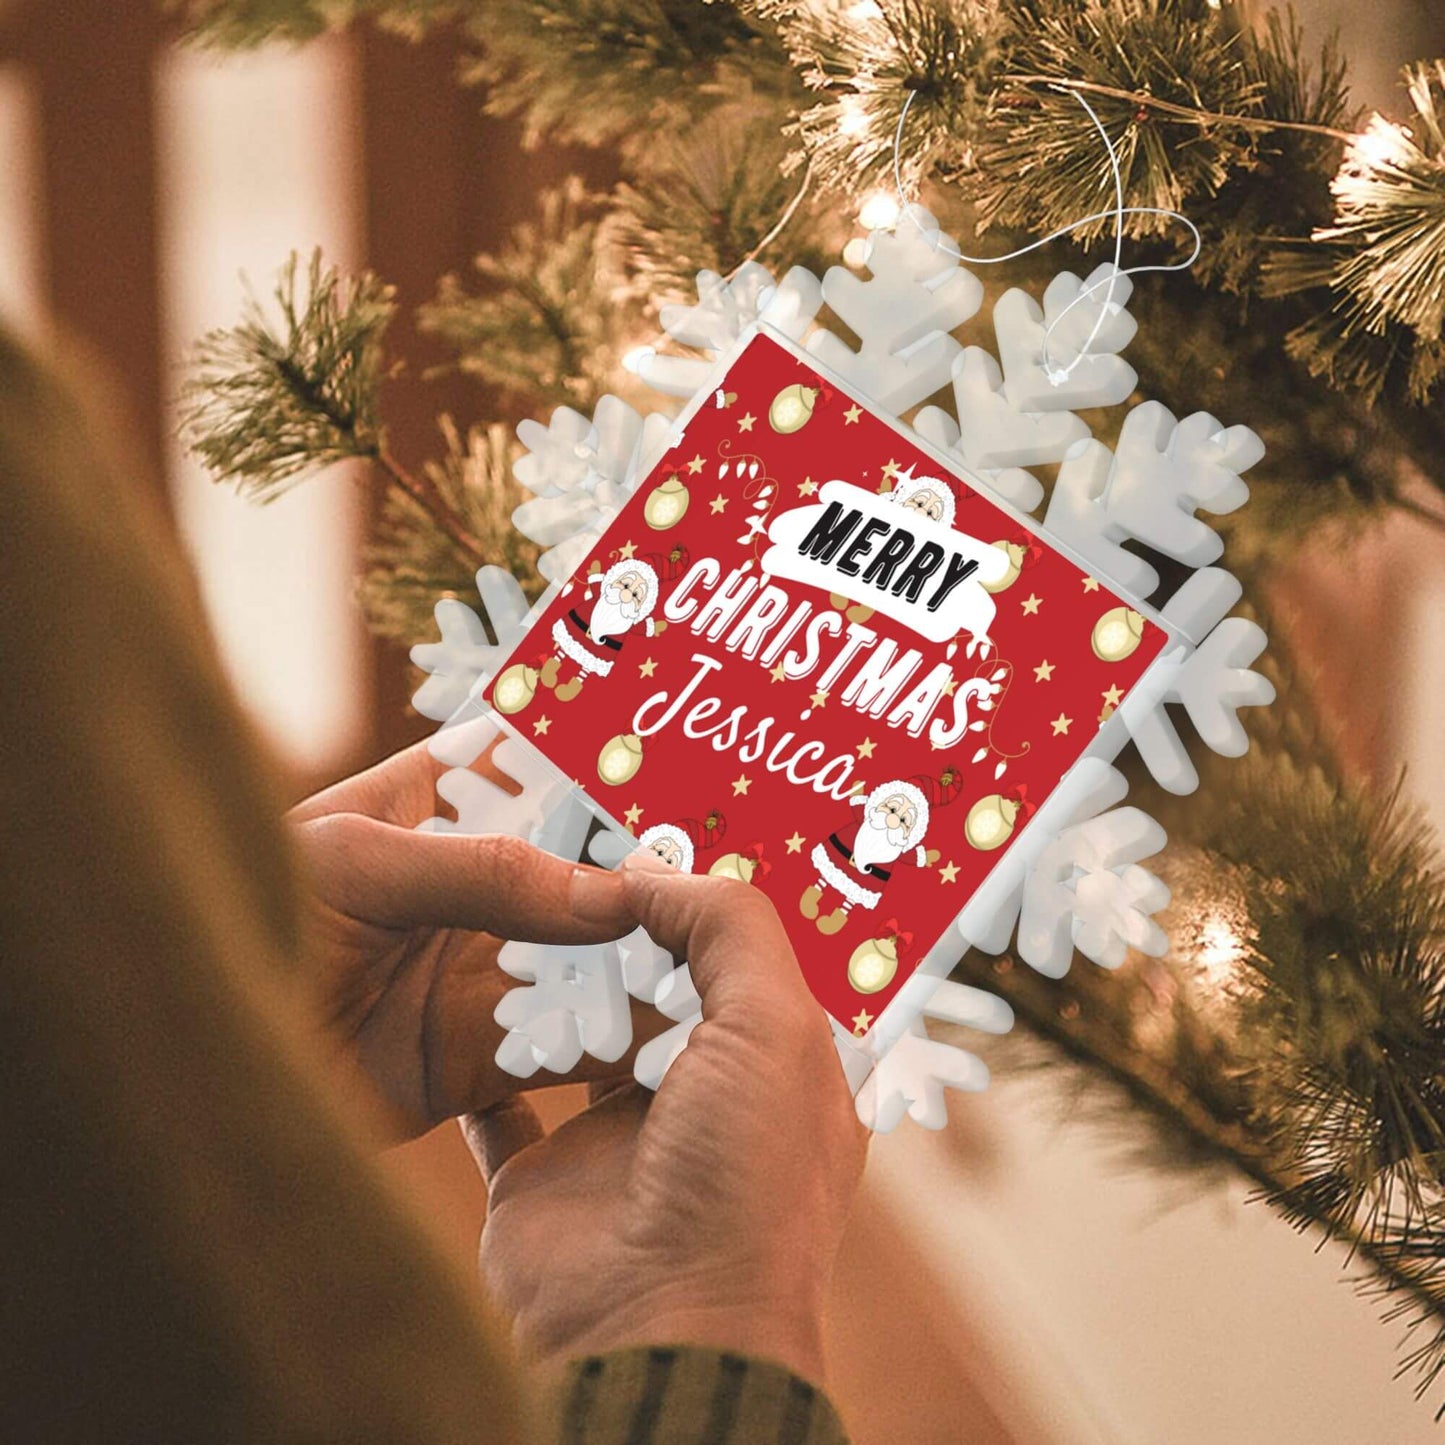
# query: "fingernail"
595,895
645,861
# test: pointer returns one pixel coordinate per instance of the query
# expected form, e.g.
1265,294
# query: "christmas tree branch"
267,404
1146,104
443,515
1196,1136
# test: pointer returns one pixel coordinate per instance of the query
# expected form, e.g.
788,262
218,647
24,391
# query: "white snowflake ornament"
1073,878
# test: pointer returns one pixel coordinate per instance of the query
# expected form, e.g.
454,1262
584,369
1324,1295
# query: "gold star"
1106,712
949,686
852,415
861,1022
718,503
695,465
1044,671
627,549
632,815
742,784
865,748
648,668
1061,724
818,699
890,469
795,843
1090,585
777,674
745,423
1031,605
948,873
1113,697
541,725
807,487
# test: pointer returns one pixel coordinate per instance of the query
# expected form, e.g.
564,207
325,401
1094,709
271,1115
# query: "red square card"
810,654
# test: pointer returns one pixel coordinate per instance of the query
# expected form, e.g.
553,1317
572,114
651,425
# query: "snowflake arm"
581,472
572,1003
724,310
917,294
1163,473
1212,681
464,661
1099,377
912,1073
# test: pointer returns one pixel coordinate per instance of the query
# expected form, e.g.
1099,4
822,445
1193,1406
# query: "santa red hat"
940,788
688,835
669,566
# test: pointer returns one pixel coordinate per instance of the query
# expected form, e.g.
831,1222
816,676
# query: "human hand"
405,933
712,1212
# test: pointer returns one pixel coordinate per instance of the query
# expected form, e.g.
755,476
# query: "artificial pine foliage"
1297,1032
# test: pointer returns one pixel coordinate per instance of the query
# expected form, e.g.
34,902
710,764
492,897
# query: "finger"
400,789
739,954
602,1088
490,883
498,1133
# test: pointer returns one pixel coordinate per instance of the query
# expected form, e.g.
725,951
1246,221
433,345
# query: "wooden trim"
93,62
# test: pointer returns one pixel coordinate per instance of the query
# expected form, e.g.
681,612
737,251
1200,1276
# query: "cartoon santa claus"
587,643
680,843
930,497
895,819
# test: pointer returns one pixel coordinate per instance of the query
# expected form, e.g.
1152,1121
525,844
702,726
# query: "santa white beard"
875,844
611,619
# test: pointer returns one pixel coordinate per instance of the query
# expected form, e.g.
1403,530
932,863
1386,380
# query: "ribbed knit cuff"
687,1395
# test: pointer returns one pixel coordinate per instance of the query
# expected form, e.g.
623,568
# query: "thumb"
738,952
492,883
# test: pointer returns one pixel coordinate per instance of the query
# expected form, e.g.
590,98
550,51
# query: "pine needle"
267,402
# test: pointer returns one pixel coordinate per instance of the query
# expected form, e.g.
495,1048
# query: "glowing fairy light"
879,212
637,358
1383,143
1219,948
853,117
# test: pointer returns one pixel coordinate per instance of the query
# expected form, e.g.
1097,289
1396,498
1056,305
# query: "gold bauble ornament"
514,688
620,759
666,506
792,408
1117,633
1015,555
990,822
873,965
734,865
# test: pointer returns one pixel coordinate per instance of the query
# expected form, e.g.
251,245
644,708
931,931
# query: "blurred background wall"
1008,1280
